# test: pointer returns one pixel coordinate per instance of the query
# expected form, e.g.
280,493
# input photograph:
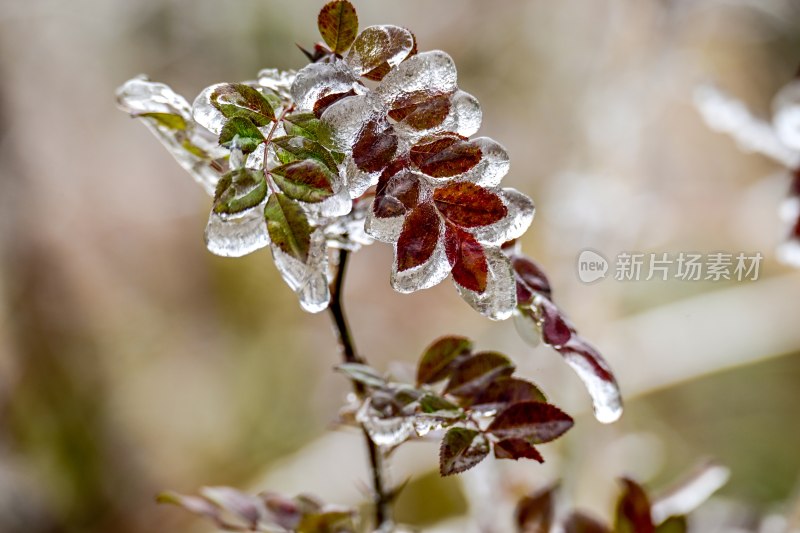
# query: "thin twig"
350,355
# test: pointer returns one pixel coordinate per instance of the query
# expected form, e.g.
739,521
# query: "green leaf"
167,120
194,149
307,180
474,373
437,361
461,450
302,124
288,226
239,190
243,133
533,421
240,100
431,403
338,25
294,148
633,510
363,374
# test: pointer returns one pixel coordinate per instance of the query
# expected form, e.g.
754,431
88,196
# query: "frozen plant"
778,139
373,140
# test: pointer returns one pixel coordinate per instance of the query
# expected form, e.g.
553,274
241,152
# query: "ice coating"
527,327
205,113
383,229
432,71
191,148
513,225
691,492
380,44
237,235
387,433
430,273
342,122
596,375
499,299
786,114
309,280
139,95
465,115
347,232
322,79
279,81
728,115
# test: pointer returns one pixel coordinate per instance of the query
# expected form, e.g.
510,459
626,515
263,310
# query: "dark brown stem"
350,355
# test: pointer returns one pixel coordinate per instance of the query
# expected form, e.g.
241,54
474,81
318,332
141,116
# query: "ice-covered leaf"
294,148
430,72
596,375
306,180
466,255
468,205
397,194
530,278
438,359
240,100
375,146
499,299
236,235
555,329
461,449
446,155
633,510
242,133
581,523
277,81
519,215
321,105
422,110
167,120
305,276
387,432
338,25
517,449
505,391
302,124
239,190
318,80
288,227
534,513
535,422
474,373
363,374
379,47
420,235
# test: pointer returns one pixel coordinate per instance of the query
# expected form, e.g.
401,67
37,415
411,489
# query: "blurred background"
133,361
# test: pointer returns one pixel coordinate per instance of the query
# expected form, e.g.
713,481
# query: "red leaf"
474,373
421,110
503,392
633,510
468,205
446,155
375,146
468,259
530,278
419,237
534,514
517,449
328,100
438,360
461,450
581,523
555,330
338,25
534,421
